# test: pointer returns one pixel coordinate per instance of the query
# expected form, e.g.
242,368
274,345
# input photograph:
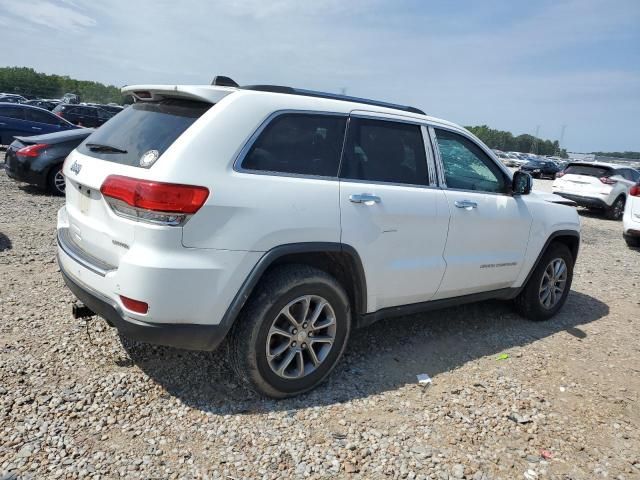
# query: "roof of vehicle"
58,137
25,106
331,102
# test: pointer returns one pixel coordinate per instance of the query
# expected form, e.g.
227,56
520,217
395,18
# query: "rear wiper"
99,147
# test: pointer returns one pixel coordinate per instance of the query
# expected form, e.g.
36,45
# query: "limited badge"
149,158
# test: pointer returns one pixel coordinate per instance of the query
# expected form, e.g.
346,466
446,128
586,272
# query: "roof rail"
331,96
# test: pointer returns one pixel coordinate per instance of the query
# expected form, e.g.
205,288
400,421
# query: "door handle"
36,128
466,204
366,198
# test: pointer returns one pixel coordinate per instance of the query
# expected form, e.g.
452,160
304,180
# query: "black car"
540,168
83,115
38,160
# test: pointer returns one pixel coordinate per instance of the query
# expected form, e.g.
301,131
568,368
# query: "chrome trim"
94,264
366,198
438,158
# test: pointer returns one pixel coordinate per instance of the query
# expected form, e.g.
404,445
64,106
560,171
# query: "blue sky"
510,64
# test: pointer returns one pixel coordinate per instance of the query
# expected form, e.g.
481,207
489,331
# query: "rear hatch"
128,145
585,179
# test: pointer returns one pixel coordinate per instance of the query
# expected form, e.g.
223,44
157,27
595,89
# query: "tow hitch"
80,310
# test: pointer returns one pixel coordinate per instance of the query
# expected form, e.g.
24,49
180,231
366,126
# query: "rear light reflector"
607,181
31,151
134,305
154,202
635,191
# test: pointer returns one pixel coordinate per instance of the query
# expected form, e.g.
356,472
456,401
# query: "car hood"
552,198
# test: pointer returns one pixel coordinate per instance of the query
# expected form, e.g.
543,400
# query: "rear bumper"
584,201
187,336
22,171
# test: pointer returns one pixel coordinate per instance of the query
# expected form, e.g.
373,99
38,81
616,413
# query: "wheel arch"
570,238
339,260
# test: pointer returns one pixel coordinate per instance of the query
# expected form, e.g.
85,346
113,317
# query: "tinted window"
466,166
12,112
381,151
142,127
588,170
304,144
41,117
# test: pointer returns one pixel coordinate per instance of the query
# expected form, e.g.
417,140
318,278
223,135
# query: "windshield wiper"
99,147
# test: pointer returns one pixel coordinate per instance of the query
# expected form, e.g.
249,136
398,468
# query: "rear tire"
533,302
56,181
633,242
615,211
277,325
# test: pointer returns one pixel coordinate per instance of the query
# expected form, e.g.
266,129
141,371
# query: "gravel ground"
510,399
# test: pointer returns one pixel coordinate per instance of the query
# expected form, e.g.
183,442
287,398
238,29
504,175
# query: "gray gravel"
76,401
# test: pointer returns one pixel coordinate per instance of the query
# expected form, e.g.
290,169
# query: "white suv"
631,218
602,186
281,218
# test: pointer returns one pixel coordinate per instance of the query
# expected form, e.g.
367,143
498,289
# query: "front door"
489,228
390,212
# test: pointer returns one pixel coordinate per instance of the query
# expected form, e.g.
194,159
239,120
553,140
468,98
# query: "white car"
281,219
603,186
631,217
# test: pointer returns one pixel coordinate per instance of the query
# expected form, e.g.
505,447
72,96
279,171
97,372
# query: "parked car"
38,160
24,120
83,115
269,221
540,168
11,98
603,186
46,104
631,217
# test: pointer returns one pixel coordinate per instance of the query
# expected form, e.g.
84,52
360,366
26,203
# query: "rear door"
392,211
489,228
42,122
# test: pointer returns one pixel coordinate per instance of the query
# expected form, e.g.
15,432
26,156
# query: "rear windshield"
142,128
589,170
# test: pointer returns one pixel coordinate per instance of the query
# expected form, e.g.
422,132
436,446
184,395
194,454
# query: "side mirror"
521,183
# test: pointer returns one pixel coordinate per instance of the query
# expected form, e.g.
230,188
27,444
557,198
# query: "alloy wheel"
553,283
59,181
301,337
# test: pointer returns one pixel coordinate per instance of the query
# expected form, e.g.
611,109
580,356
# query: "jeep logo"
75,168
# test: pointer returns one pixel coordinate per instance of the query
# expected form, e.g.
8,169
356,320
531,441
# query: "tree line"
629,155
27,82
525,143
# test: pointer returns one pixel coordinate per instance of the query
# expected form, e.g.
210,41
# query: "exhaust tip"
80,311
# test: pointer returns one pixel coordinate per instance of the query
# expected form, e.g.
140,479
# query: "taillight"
559,174
32,151
607,181
635,191
154,202
134,305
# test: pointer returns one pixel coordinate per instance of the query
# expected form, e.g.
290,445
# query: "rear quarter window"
142,127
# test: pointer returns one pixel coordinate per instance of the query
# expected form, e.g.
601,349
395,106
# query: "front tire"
548,287
292,332
633,242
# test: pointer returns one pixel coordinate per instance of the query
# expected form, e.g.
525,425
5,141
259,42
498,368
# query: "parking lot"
509,399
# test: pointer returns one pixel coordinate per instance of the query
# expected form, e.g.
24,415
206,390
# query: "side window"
12,112
466,166
383,151
635,176
41,117
303,144
104,115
